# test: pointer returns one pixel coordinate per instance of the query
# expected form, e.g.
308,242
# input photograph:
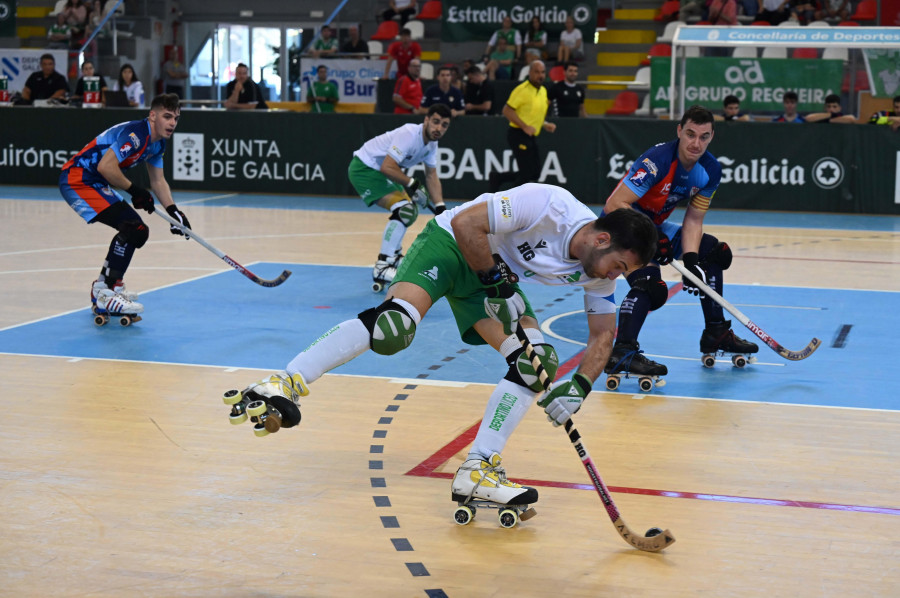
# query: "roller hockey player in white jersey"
473,255
376,172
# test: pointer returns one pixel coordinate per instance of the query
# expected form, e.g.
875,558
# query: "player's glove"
178,215
565,398
502,304
439,209
141,198
692,264
418,194
663,250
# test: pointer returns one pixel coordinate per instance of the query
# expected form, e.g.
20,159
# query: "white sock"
505,409
393,237
336,347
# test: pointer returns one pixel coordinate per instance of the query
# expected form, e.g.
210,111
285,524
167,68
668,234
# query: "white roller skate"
106,304
271,404
384,272
119,288
483,484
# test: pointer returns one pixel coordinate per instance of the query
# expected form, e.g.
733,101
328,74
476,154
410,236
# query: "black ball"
653,531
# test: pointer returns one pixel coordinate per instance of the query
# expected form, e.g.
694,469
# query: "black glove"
438,210
141,198
692,264
178,215
663,250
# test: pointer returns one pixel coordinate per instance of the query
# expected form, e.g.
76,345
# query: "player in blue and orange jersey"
657,181
86,183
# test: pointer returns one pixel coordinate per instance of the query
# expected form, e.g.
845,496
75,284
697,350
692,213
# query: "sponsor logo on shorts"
431,274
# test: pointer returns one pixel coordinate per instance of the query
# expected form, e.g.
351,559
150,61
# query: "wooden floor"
124,478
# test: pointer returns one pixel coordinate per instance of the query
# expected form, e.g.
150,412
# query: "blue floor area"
248,326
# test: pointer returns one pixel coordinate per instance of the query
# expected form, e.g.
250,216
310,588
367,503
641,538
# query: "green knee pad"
521,371
391,328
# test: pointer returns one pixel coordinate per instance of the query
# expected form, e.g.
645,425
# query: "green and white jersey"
531,228
321,89
404,144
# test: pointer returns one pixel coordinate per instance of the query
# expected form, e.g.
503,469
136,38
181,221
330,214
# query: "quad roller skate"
719,339
106,303
271,404
481,484
384,271
628,361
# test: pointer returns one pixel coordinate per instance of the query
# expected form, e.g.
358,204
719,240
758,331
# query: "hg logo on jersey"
638,177
527,252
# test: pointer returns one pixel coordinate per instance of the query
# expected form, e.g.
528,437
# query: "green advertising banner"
757,82
477,20
7,18
883,68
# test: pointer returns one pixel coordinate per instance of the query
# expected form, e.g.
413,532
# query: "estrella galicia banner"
477,20
757,82
7,18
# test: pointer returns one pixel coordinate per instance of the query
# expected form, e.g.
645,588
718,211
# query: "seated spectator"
803,11
479,96
242,93
45,84
723,12
403,52
77,18
443,92
323,94
354,45
131,85
571,44
789,100
888,117
174,72
59,34
456,79
731,109
408,90
512,36
326,46
834,10
535,41
500,64
833,112
87,70
692,8
96,17
773,11
404,8
750,7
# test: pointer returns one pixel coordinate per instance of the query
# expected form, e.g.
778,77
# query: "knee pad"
405,213
649,281
521,371
391,328
133,232
719,255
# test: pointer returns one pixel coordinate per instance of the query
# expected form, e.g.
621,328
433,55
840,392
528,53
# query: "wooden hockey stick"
759,332
192,235
655,539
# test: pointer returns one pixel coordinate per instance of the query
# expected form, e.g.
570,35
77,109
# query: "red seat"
660,49
867,10
625,104
861,83
669,11
848,24
805,53
761,23
387,31
430,10
558,73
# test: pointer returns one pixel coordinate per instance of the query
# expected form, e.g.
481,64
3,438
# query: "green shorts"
371,184
435,263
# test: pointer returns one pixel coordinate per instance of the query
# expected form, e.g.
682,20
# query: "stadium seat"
416,29
523,72
805,53
642,79
774,52
375,47
848,24
431,10
669,11
387,31
761,23
669,32
832,53
861,83
427,72
867,10
558,73
820,24
625,104
657,50
744,52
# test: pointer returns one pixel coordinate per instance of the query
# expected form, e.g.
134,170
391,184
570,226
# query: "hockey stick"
759,332
655,539
192,235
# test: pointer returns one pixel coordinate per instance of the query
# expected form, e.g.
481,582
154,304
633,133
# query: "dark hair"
241,64
570,63
629,230
166,101
134,76
473,69
789,95
405,31
321,66
729,100
832,98
46,56
446,68
697,114
441,110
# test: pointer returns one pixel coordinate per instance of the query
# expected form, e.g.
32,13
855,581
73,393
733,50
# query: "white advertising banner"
355,78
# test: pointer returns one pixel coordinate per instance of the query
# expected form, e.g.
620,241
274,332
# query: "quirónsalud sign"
758,82
477,20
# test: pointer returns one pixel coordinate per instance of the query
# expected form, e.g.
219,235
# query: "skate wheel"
260,430
237,419
739,361
94,310
125,321
527,514
463,515
612,382
232,397
646,384
508,518
709,360
256,408
100,319
377,287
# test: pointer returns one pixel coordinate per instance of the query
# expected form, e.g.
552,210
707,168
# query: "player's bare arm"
433,184
621,197
692,229
601,333
392,170
109,168
471,228
160,186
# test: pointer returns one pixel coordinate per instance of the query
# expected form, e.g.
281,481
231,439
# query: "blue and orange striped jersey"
131,143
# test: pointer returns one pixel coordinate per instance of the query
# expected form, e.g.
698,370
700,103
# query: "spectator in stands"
174,72
354,45
789,100
408,90
888,117
405,8
87,70
803,11
479,92
501,60
326,46
723,12
834,10
77,17
691,8
59,34
773,11
833,112
443,92
129,83
512,36
243,93
403,52
456,79
731,109
571,44
323,94
567,97
45,84
751,7
535,41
